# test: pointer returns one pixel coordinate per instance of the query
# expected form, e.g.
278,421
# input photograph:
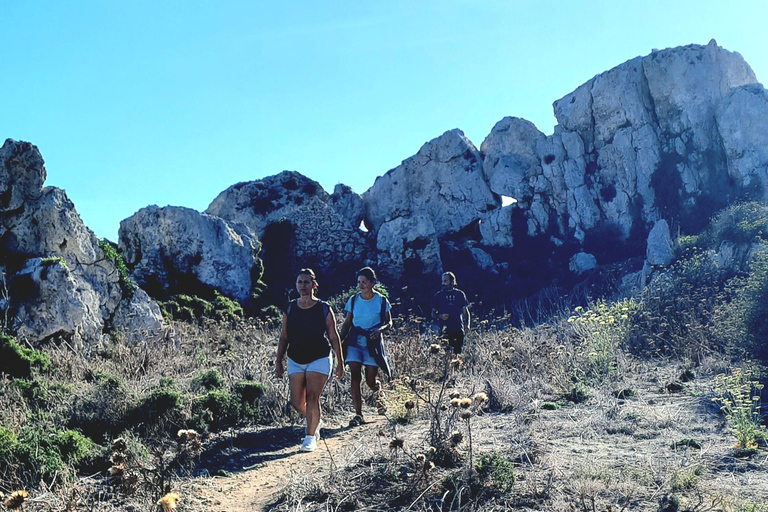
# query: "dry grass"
579,423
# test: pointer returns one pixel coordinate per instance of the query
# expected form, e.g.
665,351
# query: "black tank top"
306,333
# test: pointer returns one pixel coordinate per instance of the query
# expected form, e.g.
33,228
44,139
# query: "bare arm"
333,337
282,346
467,317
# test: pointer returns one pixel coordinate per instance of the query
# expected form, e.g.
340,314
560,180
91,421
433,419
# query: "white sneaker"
309,444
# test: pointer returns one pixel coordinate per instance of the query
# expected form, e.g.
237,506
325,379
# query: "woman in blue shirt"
368,315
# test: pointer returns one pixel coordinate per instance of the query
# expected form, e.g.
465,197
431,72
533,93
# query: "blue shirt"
367,314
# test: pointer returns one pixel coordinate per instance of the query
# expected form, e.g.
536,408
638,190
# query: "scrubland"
643,402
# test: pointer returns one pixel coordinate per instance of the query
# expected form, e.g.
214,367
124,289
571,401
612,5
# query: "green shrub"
248,394
191,308
208,380
676,313
161,404
33,391
747,314
17,361
739,223
100,410
216,409
110,252
497,469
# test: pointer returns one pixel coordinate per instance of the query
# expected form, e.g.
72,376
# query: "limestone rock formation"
660,251
300,225
60,282
179,250
438,191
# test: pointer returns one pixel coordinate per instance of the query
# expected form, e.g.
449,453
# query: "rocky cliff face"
671,136
57,280
175,250
641,152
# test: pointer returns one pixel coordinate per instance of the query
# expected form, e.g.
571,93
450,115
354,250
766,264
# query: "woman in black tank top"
309,333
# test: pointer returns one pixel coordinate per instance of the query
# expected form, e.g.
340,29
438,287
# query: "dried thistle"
456,438
434,348
454,394
410,404
456,363
465,403
168,502
16,499
455,402
480,398
117,458
119,445
465,415
421,459
396,443
116,470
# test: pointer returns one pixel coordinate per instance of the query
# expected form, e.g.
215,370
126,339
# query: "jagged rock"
179,250
512,163
660,249
438,191
323,230
582,262
409,244
482,258
349,205
259,203
639,141
60,281
21,176
742,121
134,318
50,301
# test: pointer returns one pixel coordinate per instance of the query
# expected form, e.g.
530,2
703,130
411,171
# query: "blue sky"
170,102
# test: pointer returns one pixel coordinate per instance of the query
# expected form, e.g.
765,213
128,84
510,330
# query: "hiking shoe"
309,444
356,421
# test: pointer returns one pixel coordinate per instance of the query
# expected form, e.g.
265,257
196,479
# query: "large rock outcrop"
60,282
179,250
300,225
438,191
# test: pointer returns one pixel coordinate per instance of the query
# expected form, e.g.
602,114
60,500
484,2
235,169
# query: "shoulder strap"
383,312
288,311
352,305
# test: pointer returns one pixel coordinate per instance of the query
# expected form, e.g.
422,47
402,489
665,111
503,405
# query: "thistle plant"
739,399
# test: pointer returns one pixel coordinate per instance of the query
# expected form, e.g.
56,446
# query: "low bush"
17,361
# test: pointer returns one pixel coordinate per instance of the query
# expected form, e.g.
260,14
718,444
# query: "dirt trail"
261,464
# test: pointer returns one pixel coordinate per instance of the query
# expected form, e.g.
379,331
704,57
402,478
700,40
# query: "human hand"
373,334
340,370
279,369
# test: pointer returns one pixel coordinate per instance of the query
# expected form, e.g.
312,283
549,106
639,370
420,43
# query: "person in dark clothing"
451,309
309,333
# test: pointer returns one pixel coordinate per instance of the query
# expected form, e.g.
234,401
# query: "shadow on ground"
243,451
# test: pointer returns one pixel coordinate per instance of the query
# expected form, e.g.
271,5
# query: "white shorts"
322,365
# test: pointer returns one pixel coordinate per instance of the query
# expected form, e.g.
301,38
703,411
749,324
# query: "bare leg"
315,385
356,371
298,385
370,378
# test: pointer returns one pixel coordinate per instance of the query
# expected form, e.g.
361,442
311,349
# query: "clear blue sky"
135,103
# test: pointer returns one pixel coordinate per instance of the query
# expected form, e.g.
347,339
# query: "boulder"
660,249
582,262
179,250
61,281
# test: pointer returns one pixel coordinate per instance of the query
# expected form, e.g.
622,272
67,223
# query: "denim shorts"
359,354
322,365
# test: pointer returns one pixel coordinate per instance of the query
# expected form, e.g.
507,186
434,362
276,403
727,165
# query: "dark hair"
452,276
368,273
308,272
